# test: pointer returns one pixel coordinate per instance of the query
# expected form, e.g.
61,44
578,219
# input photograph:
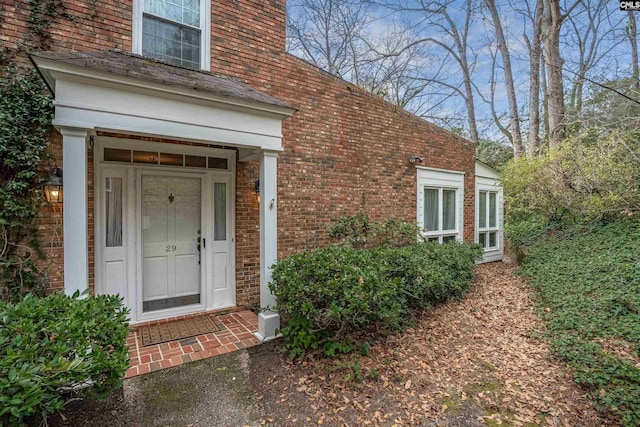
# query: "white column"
76,234
268,321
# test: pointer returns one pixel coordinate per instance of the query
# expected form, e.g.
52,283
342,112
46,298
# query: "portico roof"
124,64
126,93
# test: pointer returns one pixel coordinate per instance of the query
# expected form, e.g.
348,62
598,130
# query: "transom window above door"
147,157
173,31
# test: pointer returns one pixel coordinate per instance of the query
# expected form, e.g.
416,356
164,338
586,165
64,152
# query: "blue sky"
614,52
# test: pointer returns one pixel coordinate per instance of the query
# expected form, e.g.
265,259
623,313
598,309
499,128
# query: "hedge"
52,348
328,296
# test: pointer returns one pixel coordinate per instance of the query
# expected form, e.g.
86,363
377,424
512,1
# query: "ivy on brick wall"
26,113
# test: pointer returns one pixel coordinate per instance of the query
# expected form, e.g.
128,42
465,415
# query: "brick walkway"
237,333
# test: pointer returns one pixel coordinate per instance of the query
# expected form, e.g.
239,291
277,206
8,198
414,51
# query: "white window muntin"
201,24
441,180
488,229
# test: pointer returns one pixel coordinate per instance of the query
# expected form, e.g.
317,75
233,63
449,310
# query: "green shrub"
592,175
328,295
431,273
360,232
49,346
524,231
588,281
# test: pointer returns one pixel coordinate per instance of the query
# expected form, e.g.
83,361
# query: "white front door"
171,238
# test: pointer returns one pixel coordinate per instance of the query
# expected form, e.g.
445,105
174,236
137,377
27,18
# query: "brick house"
196,151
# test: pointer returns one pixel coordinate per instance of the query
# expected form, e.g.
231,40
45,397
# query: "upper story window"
174,31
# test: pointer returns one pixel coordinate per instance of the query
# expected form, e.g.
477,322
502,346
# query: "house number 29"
171,248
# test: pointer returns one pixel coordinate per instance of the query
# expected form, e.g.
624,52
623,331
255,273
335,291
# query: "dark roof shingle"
137,67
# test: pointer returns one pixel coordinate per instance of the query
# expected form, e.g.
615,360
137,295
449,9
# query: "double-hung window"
488,228
173,31
440,198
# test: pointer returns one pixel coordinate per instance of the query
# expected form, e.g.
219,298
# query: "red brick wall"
345,150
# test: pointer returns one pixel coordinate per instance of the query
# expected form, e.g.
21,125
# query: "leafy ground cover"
588,281
478,361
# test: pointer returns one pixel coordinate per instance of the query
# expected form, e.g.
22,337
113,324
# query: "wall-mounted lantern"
256,188
52,189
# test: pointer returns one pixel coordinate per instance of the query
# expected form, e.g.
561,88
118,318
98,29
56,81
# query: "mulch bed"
472,362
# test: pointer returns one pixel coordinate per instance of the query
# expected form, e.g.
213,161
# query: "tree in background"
437,58
493,153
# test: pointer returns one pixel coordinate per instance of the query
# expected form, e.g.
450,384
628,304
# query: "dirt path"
474,362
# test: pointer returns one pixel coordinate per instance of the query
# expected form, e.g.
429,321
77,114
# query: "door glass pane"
492,239
217,163
431,209
145,157
482,208
195,161
448,209
171,159
492,210
220,211
482,239
113,204
116,155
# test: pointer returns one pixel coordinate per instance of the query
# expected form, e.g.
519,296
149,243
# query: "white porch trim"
89,100
268,321
75,215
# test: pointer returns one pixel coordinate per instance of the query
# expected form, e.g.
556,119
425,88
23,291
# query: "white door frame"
132,218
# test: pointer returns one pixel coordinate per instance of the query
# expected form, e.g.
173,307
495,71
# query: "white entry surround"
90,100
127,267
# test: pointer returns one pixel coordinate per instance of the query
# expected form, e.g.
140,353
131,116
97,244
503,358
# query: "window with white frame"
440,214
488,228
174,31
440,204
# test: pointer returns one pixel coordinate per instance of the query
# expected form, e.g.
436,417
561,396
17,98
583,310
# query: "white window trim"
489,229
442,180
205,31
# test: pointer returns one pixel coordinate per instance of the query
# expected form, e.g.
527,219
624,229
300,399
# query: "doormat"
173,331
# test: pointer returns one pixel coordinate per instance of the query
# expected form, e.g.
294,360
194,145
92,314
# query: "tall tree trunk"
545,99
551,24
471,108
534,82
632,33
516,134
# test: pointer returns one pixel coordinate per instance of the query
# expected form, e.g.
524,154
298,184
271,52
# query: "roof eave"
48,68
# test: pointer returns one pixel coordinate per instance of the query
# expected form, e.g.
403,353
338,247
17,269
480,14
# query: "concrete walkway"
211,392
